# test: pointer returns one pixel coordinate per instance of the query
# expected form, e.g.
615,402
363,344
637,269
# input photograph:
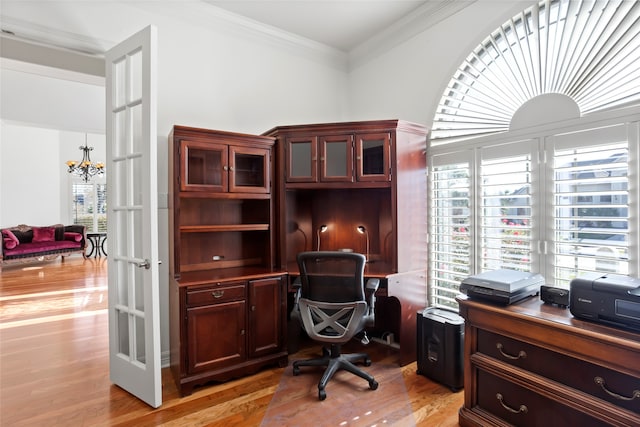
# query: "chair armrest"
370,290
373,284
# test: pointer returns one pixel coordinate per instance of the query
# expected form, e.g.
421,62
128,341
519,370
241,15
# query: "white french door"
134,319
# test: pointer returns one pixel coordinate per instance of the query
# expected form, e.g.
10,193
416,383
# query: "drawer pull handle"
601,383
217,294
522,408
521,355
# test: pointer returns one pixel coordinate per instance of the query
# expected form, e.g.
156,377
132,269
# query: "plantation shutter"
450,225
591,198
505,212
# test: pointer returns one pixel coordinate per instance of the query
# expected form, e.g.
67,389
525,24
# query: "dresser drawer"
216,294
523,407
609,385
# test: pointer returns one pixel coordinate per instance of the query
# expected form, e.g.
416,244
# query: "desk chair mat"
295,402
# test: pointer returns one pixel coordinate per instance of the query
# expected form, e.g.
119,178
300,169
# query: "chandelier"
85,168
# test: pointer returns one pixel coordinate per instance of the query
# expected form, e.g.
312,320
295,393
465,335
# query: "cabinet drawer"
523,407
215,295
598,381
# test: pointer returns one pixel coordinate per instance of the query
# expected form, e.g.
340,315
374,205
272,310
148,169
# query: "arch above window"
586,50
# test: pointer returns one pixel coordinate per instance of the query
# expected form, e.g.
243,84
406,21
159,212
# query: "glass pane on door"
204,167
373,157
300,159
249,170
335,159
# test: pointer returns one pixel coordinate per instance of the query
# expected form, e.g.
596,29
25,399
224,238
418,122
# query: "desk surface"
379,270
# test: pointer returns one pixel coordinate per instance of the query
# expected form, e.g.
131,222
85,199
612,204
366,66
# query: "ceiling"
341,24
339,29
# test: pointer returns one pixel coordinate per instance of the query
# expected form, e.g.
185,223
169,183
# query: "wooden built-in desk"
398,300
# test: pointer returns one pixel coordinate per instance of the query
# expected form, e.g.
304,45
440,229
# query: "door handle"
144,264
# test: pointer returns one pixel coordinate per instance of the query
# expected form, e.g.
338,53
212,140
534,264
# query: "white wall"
35,187
408,81
30,169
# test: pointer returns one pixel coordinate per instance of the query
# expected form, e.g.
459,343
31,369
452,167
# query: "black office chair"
335,306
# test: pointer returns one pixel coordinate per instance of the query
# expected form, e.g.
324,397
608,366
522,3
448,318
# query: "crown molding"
209,16
39,34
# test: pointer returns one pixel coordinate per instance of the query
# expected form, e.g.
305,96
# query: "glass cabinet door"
336,158
249,170
372,156
204,166
302,159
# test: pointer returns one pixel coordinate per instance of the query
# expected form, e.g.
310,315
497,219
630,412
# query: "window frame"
96,226
542,205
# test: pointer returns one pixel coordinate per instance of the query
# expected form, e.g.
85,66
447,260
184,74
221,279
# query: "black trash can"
441,346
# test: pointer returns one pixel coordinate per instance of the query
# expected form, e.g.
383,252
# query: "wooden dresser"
531,364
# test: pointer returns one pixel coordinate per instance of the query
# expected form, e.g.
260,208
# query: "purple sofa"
26,243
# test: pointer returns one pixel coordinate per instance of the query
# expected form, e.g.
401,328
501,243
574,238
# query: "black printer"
606,298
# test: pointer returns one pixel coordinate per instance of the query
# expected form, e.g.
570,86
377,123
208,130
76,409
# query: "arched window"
585,53
535,151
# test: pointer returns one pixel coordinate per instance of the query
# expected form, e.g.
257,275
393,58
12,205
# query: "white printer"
502,286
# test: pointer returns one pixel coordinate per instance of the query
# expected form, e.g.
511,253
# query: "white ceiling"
341,24
346,26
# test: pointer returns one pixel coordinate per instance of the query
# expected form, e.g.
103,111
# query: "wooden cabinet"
220,167
373,156
370,174
227,328
532,364
341,157
222,212
227,300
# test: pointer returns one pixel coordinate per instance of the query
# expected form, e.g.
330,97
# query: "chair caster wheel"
296,370
367,362
322,395
373,385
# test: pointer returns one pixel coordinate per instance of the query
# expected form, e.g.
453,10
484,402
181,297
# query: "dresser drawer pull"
217,293
601,383
522,408
521,355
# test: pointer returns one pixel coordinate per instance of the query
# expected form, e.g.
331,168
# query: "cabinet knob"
242,332
225,168
253,308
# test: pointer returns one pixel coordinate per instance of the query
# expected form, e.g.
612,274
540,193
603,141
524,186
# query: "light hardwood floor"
54,365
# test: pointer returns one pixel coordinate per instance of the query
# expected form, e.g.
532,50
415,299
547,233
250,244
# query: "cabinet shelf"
223,228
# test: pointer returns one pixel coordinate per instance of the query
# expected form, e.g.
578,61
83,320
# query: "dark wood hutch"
243,206
227,300
346,175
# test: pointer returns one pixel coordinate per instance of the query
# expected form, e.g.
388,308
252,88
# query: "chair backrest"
332,276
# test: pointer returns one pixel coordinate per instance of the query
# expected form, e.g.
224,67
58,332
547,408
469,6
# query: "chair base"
335,361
